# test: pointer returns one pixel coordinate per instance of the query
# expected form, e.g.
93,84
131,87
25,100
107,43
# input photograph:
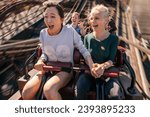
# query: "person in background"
112,26
103,47
57,42
78,24
82,27
75,18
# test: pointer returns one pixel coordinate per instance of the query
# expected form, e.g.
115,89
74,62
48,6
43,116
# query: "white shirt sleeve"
43,55
79,45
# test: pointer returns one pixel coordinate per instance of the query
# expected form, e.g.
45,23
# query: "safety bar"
60,66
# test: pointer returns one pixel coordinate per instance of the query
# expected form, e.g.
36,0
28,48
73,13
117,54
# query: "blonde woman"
103,47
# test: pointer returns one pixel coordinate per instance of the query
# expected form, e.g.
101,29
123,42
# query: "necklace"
103,37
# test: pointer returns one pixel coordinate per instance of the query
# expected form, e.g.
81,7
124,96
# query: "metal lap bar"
52,68
58,66
111,74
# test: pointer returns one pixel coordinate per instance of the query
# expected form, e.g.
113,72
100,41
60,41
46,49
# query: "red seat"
119,56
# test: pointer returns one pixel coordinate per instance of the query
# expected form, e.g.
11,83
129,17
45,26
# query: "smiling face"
52,20
75,18
99,19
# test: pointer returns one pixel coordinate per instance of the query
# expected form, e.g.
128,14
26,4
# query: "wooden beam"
147,51
11,45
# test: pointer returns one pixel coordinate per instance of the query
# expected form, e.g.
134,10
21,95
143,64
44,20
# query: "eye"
91,18
52,16
96,18
46,16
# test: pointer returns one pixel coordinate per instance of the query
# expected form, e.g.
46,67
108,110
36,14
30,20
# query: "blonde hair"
102,10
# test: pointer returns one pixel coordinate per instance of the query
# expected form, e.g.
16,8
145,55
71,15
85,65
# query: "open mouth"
73,20
51,26
95,26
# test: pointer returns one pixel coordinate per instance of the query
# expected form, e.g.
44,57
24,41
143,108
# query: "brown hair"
57,6
76,13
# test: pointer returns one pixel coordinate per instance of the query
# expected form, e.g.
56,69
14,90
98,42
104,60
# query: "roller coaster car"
123,71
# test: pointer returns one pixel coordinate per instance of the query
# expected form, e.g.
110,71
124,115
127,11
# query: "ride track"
125,30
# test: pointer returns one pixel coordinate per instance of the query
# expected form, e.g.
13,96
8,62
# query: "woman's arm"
85,53
107,64
79,45
43,58
89,62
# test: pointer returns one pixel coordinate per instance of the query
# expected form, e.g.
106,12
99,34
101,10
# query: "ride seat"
68,92
118,62
119,56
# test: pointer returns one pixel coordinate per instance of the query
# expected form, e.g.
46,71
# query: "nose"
49,20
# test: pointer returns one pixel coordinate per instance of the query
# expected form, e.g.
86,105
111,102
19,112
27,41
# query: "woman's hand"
80,24
39,66
97,70
100,70
93,70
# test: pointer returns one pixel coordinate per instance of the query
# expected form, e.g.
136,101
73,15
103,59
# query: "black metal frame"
34,55
130,89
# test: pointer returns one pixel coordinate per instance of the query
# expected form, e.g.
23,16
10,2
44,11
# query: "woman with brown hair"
58,42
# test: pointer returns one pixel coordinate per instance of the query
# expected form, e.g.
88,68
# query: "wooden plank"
16,96
22,81
7,46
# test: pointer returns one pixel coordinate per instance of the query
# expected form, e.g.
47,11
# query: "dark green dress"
101,51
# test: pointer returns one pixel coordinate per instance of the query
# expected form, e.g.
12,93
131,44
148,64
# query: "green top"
101,51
